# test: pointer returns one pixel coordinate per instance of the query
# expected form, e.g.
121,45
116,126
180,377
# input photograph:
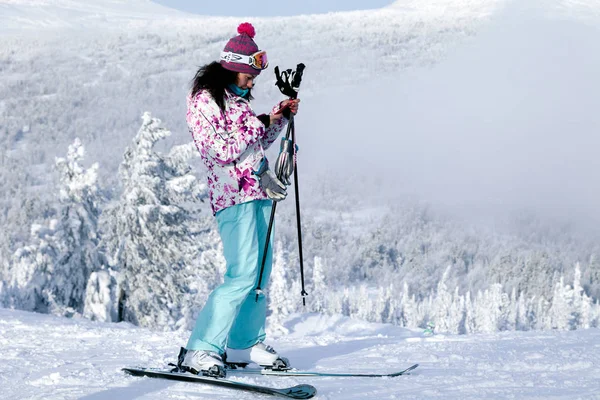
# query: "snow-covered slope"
440,7
45,357
21,15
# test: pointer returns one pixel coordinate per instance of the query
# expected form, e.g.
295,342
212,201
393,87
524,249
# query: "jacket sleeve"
273,131
207,125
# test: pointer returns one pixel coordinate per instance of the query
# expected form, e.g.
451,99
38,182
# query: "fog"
508,121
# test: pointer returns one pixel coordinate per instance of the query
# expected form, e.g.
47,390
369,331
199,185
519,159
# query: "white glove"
268,181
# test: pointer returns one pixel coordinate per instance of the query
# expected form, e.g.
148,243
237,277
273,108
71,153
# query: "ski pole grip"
298,76
287,87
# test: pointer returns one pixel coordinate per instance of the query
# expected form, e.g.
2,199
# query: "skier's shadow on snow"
308,357
136,389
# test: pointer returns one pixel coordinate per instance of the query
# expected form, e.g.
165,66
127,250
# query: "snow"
18,15
48,357
483,7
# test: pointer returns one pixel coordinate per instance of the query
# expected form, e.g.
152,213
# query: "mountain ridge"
16,15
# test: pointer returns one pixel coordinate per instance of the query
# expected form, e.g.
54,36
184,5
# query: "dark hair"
215,79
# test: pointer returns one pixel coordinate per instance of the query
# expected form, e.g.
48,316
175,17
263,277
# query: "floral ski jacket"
231,144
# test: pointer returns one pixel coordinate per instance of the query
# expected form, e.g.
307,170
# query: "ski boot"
260,354
201,362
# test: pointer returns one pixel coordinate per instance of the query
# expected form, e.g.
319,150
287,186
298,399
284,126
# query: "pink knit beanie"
242,44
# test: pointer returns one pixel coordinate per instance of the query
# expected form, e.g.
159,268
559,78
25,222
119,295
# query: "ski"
295,392
295,372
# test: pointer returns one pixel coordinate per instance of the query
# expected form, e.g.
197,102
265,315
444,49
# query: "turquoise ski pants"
231,316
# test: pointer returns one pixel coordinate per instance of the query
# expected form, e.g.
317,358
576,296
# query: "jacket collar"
234,97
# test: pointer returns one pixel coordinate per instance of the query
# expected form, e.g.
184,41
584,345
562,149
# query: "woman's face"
245,81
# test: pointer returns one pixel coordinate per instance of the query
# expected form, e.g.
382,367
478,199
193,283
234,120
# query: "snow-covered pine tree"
361,305
153,239
593,276
77,231
441,305
390,314
51,274
346,307
470,324
101,296
381,306
521,320
561,307
407,313
279,291
27,271
513,310
318,294
335,302
449,310
492,309
582,303
457,312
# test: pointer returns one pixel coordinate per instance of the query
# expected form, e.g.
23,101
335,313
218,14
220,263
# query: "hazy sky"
268,8
507,121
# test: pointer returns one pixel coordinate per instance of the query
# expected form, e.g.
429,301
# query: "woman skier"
232,141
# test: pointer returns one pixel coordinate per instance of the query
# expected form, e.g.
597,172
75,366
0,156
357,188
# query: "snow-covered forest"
432,190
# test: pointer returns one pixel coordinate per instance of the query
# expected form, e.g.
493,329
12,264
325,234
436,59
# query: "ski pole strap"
286,146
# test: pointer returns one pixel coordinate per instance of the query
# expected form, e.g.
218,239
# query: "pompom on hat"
243,44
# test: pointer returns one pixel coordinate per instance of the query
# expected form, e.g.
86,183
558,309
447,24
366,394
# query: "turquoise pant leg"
249,326
238,227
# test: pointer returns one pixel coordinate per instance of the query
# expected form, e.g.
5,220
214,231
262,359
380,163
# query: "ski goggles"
257,60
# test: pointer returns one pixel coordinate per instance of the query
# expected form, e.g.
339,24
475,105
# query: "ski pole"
258,289
289,89
303,293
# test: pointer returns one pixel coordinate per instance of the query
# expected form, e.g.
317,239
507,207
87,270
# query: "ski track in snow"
48,357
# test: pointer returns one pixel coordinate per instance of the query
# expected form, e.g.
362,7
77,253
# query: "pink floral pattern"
231,145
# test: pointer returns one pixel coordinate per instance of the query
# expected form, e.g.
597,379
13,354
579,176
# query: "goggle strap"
229,56
235,58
